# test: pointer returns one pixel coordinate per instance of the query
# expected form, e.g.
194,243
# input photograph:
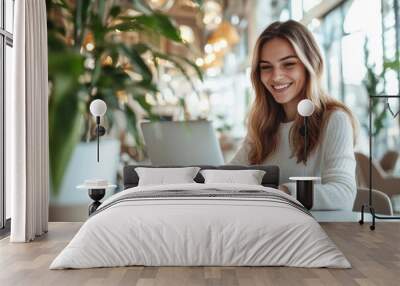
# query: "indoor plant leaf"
80,17
65,117
78,74
137,62
155,22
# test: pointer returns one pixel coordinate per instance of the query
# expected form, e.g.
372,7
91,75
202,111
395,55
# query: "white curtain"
27,123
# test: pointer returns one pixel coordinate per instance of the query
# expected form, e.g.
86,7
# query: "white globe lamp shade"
98,107
305,108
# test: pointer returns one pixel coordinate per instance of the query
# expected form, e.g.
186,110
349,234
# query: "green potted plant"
88,60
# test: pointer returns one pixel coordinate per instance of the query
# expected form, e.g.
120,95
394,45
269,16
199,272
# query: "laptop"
182,143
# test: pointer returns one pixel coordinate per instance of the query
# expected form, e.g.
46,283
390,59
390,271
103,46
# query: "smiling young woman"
282,74
287,67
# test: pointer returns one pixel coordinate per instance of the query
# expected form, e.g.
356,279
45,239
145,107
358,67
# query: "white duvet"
200,231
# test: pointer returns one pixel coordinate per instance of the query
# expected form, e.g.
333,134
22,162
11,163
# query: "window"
309,4
342,33
6,44
329,35
391,42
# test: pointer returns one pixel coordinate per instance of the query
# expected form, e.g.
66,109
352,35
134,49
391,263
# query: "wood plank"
374,255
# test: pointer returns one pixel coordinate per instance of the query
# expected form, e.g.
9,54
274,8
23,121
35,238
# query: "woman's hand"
284,189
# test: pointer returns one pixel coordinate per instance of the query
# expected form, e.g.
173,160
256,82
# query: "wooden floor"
374,255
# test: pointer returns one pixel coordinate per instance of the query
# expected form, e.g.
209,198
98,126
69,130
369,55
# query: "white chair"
380,201
389,160
384,185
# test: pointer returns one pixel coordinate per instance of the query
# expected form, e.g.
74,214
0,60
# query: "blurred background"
189,60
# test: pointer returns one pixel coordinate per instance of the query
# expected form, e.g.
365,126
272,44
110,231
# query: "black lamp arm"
304,133
100,131
305,139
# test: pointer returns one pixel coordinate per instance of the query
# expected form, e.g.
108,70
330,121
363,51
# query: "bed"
198,224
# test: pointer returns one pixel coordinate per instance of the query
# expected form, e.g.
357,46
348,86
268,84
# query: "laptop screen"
182,143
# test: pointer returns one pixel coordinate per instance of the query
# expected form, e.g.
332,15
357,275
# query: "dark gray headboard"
270,179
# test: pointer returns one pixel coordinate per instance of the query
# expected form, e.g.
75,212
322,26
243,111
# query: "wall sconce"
305,185
305,108
98,108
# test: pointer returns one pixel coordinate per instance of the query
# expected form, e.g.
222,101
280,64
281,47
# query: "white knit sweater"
333,160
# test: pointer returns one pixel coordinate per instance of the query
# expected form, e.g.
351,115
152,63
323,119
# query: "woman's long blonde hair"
266,114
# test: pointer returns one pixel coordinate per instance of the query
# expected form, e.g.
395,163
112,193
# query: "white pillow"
248,177
163,176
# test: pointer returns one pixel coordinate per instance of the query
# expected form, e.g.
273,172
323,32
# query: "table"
96,193
305,190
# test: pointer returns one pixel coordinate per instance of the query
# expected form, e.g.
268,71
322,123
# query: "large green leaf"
137,62
65,118
60,3
80,17
113,78
132,124
141,99
141,48
192,64
74,85
127,26
99,30
176,60
156,22
178,65
163,24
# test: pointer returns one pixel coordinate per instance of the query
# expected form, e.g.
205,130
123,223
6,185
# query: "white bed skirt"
200,232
